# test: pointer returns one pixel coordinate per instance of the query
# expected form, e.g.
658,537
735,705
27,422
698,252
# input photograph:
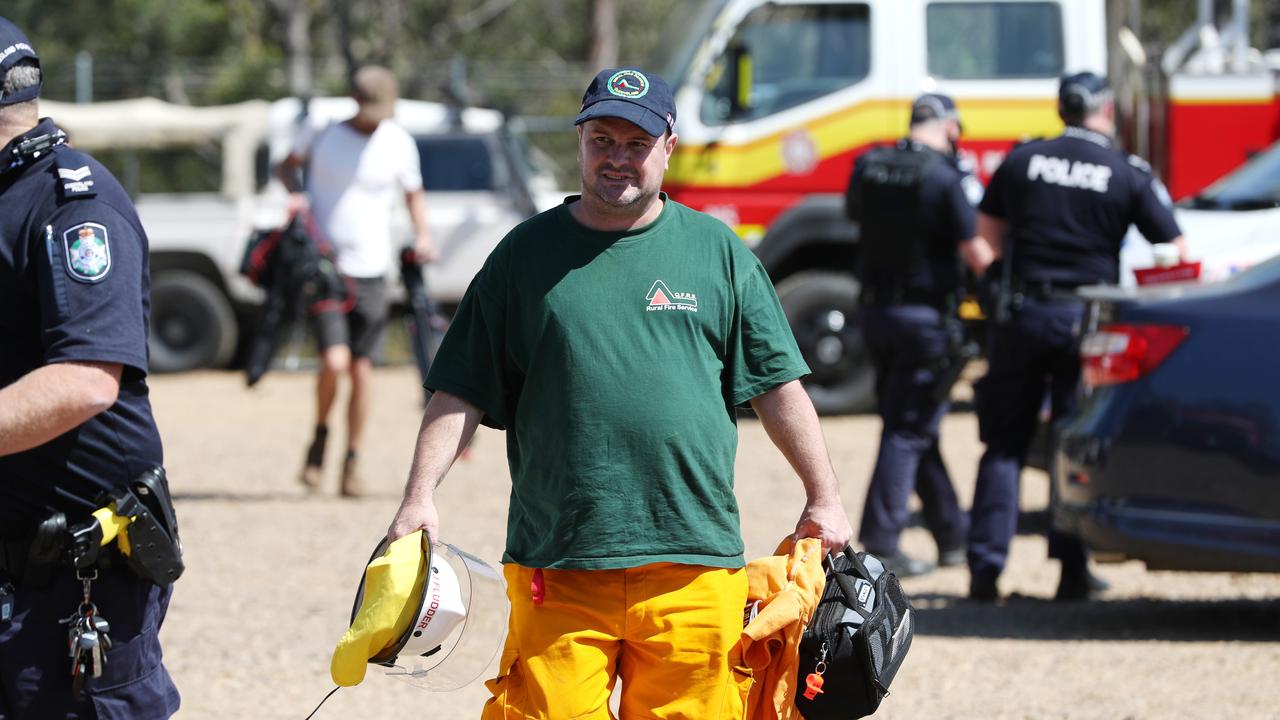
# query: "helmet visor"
462,623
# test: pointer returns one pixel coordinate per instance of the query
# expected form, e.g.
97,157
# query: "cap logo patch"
630,84
87,251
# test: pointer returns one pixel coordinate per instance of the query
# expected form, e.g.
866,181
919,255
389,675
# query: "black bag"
857,639
296,268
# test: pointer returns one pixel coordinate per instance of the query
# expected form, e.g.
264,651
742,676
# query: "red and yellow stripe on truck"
1215,123
750,184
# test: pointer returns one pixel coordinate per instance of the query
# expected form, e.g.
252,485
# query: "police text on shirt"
1067,173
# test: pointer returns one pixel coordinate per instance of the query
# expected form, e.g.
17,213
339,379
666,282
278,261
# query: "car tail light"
1123,353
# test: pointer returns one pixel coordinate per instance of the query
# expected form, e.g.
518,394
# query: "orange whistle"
813,686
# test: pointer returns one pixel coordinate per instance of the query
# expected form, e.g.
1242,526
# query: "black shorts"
363,328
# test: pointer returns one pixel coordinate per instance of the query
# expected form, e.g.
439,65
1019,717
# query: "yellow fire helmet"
432,614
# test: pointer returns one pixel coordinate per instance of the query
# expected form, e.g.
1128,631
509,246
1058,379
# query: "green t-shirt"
614,361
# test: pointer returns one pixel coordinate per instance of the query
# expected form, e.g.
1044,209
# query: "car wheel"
192,325
822,310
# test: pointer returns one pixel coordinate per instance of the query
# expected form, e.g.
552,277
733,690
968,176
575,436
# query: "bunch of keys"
87,641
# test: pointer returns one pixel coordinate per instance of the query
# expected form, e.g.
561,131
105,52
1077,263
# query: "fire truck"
777,98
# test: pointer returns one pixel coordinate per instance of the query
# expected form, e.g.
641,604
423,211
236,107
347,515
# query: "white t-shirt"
355,182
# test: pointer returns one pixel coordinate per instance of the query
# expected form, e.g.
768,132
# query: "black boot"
952,556
982,588
1077,584
903,565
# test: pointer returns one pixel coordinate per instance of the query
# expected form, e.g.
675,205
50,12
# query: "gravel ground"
272,571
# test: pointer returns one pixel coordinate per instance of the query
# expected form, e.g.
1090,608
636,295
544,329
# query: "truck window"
458,163
797,53
974,40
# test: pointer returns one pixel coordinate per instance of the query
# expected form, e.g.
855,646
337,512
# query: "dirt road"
272,573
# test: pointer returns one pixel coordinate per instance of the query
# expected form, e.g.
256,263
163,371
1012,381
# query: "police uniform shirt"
73,288
1069,201
946,215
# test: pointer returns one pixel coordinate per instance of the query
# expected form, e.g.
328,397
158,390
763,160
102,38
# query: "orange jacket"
785,588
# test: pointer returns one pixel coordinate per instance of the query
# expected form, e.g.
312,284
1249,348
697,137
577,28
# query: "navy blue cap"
934,106
630,94
14,47
1081,94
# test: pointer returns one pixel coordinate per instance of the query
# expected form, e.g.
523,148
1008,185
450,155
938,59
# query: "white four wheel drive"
481,176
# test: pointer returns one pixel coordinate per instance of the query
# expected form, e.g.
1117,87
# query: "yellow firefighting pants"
670,632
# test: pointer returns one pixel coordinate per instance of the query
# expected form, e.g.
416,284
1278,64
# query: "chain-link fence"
544,95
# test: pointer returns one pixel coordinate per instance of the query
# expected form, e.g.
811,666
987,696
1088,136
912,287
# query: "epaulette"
75,176
1140,164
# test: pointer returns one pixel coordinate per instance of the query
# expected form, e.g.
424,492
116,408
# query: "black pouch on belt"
155,552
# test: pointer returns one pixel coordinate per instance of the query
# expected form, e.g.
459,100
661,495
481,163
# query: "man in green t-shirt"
612,338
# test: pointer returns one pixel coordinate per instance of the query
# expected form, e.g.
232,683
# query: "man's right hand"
415,515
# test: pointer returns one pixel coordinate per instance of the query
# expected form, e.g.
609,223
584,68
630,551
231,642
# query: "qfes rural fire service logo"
661,297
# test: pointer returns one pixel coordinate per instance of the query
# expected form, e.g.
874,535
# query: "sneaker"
352,486
983,589
903,565
311,469
951,557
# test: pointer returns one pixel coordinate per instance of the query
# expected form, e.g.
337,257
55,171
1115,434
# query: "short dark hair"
933,106
24,74
1082,95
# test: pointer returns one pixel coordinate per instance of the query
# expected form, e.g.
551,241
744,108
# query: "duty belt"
1048,290
872,295
136,524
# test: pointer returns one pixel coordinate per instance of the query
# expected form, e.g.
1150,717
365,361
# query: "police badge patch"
88,253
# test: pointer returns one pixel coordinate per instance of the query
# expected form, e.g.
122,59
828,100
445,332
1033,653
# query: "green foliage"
217,51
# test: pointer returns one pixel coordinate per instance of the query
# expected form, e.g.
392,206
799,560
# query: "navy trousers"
906,342
35,668
1035,352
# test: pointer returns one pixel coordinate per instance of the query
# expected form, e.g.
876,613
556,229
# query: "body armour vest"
893,234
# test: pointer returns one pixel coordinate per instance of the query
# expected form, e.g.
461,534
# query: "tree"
604,34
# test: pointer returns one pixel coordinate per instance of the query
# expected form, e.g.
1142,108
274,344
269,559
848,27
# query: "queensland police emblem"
629,84
87,251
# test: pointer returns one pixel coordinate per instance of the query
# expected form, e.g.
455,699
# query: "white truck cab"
776,99
481,178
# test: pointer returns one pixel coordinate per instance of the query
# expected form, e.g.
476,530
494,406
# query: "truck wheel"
192,325
822,310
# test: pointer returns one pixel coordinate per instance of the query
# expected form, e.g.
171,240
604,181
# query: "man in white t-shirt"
356,171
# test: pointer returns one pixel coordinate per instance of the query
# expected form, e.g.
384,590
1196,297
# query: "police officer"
1061,208
75,421
915,207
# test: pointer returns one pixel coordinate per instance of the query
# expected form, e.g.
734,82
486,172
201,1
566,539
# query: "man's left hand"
828,523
